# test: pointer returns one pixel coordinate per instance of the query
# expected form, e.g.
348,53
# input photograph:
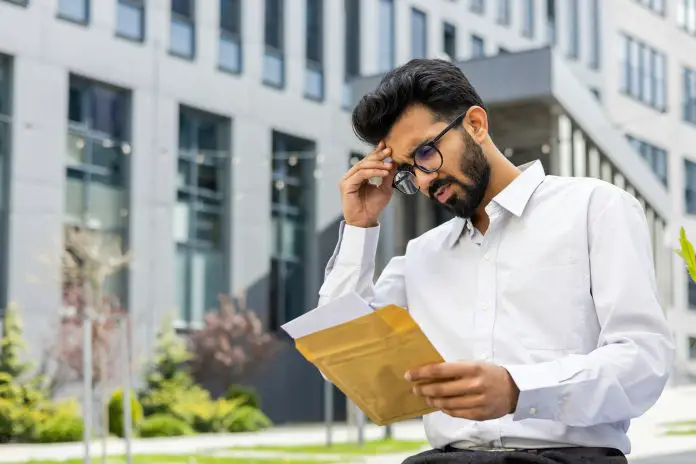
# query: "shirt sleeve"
352,268
626,373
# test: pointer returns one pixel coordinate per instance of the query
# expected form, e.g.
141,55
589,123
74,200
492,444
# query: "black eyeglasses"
426,158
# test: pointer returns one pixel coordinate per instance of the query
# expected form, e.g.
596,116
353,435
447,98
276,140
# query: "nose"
424,180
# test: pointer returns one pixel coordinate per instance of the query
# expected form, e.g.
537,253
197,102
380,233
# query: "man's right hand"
362,201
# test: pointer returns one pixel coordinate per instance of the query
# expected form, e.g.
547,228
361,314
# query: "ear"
476,123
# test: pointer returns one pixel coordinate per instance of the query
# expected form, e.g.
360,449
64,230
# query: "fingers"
450,388
442,371
457,403
380,152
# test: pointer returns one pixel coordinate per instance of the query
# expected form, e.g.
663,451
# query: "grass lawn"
185,459
369,447
687,427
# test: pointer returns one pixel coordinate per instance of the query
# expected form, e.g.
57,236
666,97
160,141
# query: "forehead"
415,125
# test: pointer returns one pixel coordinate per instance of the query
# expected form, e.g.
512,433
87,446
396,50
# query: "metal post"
387,237
87,385
360,422
127,413
328,411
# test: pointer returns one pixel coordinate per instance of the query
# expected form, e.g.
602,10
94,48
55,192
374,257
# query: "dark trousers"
450,455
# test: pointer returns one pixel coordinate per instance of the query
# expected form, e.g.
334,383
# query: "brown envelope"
366,358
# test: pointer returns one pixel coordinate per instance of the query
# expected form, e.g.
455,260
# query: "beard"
467,198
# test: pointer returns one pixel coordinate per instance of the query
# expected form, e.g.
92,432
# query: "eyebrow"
416,146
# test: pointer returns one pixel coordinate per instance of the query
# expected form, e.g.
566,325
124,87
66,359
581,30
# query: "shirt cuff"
357,245
541,393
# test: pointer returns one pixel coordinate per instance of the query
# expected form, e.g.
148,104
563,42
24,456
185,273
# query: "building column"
579,154
594,163
620,181
606,174
565,147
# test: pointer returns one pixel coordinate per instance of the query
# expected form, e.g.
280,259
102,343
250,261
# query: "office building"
210,136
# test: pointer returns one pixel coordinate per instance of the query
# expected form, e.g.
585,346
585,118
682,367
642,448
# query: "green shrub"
60,428
250,395
116,412
162,425
17,421
206,416
247,419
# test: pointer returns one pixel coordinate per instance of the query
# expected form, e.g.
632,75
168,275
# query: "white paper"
338,311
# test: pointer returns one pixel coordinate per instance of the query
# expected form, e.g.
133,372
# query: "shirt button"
532,411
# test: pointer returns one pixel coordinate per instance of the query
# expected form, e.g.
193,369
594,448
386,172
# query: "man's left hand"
470,390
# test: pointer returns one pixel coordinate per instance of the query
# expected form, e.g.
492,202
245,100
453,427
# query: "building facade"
209,136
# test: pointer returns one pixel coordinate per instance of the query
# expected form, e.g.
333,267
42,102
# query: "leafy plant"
162,425
169,361
230,346
687,254
247,419
12,345
250,395
116,412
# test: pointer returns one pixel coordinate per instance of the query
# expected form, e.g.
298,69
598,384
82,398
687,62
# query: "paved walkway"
650,446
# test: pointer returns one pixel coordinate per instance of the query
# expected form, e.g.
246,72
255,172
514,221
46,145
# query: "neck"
503,172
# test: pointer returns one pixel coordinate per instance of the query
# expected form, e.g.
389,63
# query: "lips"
443,193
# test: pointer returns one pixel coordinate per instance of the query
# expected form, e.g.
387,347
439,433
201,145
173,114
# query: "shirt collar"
513,198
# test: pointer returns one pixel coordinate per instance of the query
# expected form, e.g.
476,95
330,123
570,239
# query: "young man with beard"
540,294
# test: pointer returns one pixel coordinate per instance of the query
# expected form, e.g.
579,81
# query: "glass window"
4,86
692,347
274,57
352,38
314,77
656,157
595,34
478,47
74,10
351,53
690,186
574,29
477,6
658,6
551,21
200,212
19,2
643,74
292,217
419,34
182,32
230,48
98,154
503,13
130,19
689,95
450,40
386,35
528,19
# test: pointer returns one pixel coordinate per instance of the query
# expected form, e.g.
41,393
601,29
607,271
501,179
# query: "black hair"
437,84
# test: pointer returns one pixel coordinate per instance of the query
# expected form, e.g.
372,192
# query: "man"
540,294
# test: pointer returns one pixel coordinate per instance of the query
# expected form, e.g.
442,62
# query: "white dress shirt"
560,290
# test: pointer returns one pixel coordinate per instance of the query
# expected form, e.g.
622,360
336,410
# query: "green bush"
247,419
17,421
162,425
250,395
116,412
59,429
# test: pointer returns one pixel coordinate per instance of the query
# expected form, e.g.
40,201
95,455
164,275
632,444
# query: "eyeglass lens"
428,158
